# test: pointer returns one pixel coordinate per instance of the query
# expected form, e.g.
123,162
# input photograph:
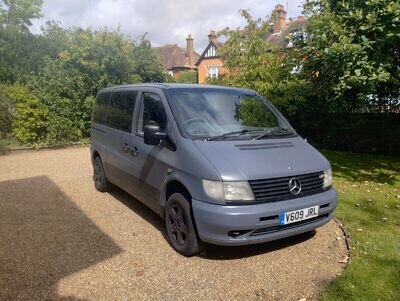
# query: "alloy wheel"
178,225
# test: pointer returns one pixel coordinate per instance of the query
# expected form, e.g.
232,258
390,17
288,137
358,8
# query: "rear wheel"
99,177
180,226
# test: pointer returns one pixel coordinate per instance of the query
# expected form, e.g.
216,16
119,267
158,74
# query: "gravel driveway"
61,239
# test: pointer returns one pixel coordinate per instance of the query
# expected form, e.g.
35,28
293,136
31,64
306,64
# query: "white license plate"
298,215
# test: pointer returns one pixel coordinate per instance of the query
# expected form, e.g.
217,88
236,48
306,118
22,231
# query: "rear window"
100,108
120,110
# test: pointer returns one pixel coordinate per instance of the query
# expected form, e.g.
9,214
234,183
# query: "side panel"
98,128
119,125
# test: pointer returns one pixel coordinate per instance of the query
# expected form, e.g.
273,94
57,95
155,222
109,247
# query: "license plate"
298,215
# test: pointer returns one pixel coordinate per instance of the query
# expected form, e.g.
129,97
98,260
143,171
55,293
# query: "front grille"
277,189
264,231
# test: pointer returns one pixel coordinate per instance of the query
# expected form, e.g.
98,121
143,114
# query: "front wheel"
180,226
99,176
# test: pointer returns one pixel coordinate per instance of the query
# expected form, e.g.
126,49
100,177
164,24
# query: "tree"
350,54
87,61
20,51
253,62
16,15
146,65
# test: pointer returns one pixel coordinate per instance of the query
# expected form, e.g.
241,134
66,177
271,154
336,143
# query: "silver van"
220,165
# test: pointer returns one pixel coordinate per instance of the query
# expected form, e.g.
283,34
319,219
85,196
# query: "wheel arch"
95,154
171,186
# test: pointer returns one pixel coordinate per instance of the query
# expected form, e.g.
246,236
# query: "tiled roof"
173,56
280,39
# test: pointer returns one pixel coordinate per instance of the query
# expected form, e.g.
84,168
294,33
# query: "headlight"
327,178
228,191
214,190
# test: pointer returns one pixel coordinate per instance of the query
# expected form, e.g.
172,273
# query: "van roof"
169,86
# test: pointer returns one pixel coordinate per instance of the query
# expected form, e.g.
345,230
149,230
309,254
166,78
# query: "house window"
212,51
170,72
213,72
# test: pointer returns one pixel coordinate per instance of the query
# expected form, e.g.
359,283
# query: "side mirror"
152,135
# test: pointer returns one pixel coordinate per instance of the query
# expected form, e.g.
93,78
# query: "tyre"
181,232
99,176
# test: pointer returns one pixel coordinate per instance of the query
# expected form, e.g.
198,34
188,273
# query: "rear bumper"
251,224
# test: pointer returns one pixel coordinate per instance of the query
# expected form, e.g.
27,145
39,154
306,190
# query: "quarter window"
99,108
152,112
120,111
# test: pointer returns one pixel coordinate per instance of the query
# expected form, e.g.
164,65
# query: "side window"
152,112
100,107
120,111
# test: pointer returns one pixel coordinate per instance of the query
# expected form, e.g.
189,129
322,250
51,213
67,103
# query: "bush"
187,77
69,120
6,115
3,148
30,119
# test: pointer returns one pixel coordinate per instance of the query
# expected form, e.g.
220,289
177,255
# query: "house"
211,65
177,59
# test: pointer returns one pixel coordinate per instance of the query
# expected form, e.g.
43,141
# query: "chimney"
301,18
212,37
189,50
279,18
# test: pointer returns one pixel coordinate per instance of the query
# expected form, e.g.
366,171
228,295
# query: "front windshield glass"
226,114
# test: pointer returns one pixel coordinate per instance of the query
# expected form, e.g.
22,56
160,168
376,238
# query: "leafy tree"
253,62
87,61
147,67
16,15
20,51
350,54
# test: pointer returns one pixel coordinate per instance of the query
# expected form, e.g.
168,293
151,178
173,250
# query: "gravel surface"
61,239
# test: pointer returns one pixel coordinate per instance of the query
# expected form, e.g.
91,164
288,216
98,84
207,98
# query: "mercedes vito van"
220,165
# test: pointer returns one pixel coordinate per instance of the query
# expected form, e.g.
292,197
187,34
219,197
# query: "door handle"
134,151
125,147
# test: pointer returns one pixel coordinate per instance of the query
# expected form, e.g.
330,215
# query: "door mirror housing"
152,135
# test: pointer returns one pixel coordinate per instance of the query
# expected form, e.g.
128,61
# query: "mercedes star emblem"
294,186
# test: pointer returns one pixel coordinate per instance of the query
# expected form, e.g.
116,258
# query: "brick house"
177,59
211,65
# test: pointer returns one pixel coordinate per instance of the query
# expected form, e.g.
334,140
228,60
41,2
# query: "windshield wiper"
229,134
279,131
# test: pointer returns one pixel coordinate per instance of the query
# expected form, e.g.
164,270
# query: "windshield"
222,114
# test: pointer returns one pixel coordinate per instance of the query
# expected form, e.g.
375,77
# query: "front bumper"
251,224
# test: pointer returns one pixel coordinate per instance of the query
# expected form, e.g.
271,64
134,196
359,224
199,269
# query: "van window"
99,108
152,112
120,111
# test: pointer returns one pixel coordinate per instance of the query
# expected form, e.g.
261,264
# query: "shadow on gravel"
215,252
212,252
44,237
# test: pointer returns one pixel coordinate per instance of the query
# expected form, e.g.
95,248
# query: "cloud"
165,21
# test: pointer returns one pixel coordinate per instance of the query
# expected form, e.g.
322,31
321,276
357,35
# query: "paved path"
60,239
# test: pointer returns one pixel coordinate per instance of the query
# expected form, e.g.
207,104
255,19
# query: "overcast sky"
165,21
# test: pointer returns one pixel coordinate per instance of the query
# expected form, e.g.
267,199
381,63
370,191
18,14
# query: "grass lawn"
369,189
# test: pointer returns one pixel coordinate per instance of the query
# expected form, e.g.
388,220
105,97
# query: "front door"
149,161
